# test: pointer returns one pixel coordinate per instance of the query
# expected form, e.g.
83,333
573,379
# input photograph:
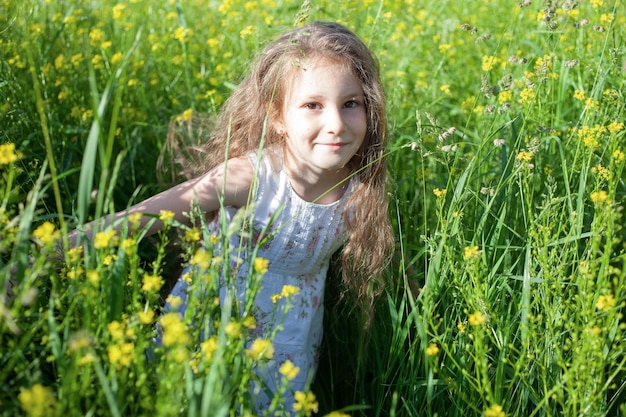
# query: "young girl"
309,124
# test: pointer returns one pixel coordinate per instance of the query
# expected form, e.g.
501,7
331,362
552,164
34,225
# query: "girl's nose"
335,123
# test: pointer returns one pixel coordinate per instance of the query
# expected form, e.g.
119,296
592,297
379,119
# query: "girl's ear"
278,126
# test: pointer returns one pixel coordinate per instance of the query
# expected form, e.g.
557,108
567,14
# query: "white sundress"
299,240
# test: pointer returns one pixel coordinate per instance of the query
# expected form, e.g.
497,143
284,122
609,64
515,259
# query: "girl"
305,137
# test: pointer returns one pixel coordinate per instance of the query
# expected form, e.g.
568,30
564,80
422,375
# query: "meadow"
506,162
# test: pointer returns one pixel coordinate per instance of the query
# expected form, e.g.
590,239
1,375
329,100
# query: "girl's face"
323,118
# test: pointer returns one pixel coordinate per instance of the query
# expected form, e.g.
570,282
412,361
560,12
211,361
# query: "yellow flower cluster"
495,411
146,317
432,349
476,319
104,239
166,216
470,252
305,402
260,349
599,197
490,61
46,233
286,292
602,172
121,352
289,370
440,192
209,347
260,265
37,401
201,259
8,153
151,283
174,330
590,135
605,302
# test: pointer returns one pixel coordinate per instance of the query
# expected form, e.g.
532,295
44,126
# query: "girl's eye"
312,106
350,104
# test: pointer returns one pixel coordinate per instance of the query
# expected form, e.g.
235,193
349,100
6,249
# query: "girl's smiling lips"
334,145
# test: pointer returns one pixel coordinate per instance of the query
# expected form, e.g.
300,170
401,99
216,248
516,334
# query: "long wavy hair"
248,115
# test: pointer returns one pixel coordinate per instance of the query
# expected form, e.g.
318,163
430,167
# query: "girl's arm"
206,189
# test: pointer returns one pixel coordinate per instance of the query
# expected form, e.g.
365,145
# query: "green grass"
507,176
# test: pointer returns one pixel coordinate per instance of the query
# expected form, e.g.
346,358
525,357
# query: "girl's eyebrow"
349,95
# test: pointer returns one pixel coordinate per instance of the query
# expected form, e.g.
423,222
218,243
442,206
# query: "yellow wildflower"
605,302
495,411
260,349
289,290
121,355
440,192
182,34
524,156
174,330
527,95
135,218
305,403
599,197
75,253
489,61
505,96
79,341
580,95
74,273
192,235
8,153
46,233
146,317
166,215
152,283
432,349
116,329
174,301
615,127
249,322
247,31
103,239
602,172
109,259
129,245
260,265
233,329
118,9
117,58
96,36
201,259
209,347
289,370
93,276
618,156
37,401
77,59
59,61
476,319
470,252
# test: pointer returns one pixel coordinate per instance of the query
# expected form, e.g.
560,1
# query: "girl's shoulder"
270,159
